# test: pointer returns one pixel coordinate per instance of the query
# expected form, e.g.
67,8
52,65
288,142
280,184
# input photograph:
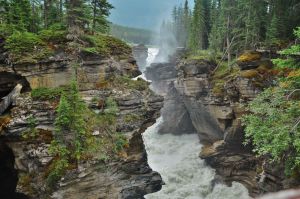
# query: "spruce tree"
197,27
207,23
78,124
76,18
101,10
63,120
20,14
4,12
186,23
215,36
273,32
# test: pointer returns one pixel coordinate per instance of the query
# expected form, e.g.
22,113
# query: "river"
176,158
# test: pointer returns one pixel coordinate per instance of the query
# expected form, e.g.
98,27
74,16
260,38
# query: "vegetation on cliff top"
273,126
34,30
105,45
230,27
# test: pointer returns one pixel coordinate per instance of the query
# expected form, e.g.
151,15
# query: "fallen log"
10,99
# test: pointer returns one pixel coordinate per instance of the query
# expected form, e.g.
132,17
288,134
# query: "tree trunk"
46,10
33,18
94,15
228,41
10,98
61,10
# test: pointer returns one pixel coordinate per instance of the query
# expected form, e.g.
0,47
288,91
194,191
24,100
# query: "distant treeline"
132,35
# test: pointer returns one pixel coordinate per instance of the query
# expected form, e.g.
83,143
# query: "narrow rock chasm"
8,174
9,80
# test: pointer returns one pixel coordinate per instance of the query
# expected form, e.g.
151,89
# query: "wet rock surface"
126,177
191,100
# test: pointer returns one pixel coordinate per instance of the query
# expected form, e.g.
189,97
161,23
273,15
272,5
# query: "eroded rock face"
128,177
182,87
189,90
56,70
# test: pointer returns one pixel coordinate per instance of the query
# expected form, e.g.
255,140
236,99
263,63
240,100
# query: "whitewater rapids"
186,176
176,158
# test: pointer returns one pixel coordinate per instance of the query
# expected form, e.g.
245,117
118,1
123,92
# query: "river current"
176,158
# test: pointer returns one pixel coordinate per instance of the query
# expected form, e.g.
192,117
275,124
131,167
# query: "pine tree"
78,124
76,18
4,10
20,14
253,21
101,10
52,12
215,36
186,23
273,32
70,125
63,119
207,23
197,27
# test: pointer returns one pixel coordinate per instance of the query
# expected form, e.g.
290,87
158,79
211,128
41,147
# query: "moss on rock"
249,56
106,46
249,73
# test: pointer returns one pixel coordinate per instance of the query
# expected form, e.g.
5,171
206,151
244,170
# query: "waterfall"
152,52
176,158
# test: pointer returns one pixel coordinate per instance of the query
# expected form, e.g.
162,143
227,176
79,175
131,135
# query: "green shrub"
53,35
6,30
59,165
47,93
222,75
131,117
111,106
203,54
32,131
273,125
120,142
19,43
26,47
92,50
127,83
106,45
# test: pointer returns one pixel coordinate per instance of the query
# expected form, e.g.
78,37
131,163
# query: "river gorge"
184,138
176,158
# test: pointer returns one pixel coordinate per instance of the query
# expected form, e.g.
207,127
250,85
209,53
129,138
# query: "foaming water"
186,176
152,53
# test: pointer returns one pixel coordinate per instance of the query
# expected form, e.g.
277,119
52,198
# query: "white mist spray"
167,42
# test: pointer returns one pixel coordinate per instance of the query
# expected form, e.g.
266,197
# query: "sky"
147,14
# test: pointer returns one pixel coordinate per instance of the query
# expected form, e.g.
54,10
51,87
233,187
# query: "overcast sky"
142,13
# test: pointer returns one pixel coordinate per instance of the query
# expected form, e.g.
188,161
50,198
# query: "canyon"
206,117
194,102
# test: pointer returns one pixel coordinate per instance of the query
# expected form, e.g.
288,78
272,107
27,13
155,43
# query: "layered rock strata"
129,176
198,100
